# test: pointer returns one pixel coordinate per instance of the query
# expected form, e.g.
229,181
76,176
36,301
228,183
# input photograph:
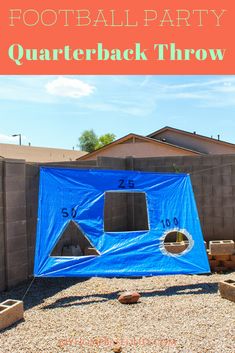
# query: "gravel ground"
175,314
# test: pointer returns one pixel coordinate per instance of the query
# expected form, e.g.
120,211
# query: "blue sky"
53,111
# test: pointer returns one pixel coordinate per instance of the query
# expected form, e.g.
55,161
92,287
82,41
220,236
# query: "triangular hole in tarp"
73,242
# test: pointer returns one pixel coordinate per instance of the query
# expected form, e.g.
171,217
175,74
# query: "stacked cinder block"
11,311
2,233
227,289
176,247
221,255
16,244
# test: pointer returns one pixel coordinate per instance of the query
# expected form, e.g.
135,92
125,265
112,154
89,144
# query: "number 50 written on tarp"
68,212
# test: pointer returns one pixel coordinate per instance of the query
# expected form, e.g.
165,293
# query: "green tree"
88,141
105,140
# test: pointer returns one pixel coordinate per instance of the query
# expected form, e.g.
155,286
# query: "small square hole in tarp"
125,212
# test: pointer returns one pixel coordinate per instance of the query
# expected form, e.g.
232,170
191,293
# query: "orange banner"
117,37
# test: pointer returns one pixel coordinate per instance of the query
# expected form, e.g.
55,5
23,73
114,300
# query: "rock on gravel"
176,314
129,298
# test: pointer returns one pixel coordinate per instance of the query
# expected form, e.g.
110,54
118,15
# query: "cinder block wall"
213,180
2,232
14,261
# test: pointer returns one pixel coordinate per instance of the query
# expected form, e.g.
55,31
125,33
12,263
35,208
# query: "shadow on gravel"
41,289
199,288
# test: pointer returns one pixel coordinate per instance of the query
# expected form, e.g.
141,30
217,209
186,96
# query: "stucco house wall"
138,149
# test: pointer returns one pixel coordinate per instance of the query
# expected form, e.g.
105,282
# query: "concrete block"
2,232
207,178
71,250
221,269
11,311
226,190
16,228
226,170
227,289
197,189
15,282
233,187
227,180
176,247
196,179
215,221
217,191
90,251
233,169
14,168
213,264
207,200
17,243
14,183
228,201
229,224
195,161
31,170
220,234
2,218
221,257
2,280
2,199
207,212
19,273
17,258
221,247
228,211
228,158
30,267
230,265
14,214
31,239
208,233
15,198
210,257
212,160
218,211
1,167
216,179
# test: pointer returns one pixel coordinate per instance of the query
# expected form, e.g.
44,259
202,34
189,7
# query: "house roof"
139,137
38,154
209,139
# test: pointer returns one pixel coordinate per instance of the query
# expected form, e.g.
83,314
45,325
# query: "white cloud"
69,87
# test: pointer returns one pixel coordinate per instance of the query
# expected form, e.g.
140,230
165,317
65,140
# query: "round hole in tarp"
176,242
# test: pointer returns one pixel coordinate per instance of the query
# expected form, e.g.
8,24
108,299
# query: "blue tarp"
79,195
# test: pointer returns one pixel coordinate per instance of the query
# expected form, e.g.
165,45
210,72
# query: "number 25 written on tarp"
68,212
168,223
126,184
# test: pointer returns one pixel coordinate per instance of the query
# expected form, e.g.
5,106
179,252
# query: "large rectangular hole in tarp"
125,212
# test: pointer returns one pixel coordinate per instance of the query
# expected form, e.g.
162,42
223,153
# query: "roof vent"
218,137
194,132
163,139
